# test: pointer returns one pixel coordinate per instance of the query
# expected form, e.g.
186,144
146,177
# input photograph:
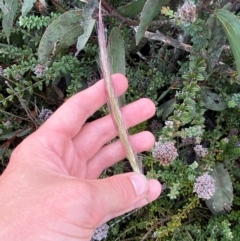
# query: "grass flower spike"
112,99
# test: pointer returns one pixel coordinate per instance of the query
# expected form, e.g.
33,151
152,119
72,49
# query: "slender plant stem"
112,99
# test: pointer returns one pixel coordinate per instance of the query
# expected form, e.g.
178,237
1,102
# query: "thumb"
119,194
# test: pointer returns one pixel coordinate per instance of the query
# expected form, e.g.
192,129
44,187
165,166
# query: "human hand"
50,191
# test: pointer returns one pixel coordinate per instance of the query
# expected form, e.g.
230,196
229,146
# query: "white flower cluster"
187,13
200,150
165,152
45,114
204,186
39,70
7,124
169,124
100,232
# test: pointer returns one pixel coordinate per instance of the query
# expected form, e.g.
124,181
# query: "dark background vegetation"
194,85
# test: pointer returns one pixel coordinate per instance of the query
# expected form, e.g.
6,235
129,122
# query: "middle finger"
96,134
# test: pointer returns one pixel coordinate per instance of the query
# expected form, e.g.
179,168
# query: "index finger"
70,117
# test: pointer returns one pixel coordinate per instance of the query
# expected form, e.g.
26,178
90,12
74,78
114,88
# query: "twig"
109,8
161,222
33,119
113,13
163,38
19,117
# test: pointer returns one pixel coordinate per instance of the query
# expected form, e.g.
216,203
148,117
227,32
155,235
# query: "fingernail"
140,183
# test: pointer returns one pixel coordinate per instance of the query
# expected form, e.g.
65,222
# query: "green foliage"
9,9
223,196
60,34
132,9
199,34
231,26
87,22
36,22
150,10
234,101
27,6
194,85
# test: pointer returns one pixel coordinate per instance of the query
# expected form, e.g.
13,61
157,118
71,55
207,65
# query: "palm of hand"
58,165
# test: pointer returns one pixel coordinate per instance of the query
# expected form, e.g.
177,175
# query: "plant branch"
163,38
110,9
160,222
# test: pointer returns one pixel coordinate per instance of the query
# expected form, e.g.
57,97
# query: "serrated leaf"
61,33
8,17
87,23
131,9
150,10
166,108
223,195
231,26
212,101
27,6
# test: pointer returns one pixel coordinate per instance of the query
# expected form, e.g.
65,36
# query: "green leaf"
3,7
164,93
186,117
231,26
87,23
217,39
24,132
131,9
166,108
216,43
7,134
61,33
212,101
150,10
223,195
116,53
8,17
27,6
199,77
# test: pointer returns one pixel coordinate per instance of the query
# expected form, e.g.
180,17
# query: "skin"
50,190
